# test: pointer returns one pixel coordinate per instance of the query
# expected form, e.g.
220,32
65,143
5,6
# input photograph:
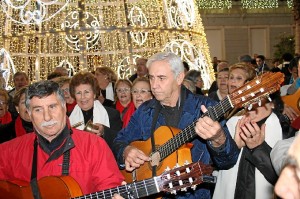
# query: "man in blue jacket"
175,106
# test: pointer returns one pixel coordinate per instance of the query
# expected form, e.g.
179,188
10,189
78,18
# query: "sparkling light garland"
290,3
213,4
260,4
113,33
7,67
31,12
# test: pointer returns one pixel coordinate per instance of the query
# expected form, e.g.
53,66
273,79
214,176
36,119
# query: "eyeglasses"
66,90
123,90
141,91
3,103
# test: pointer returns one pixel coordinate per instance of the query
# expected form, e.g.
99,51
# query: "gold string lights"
89,33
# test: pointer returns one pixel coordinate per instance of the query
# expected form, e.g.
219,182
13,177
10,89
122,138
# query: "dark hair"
192,75
20,73
42,89
294,63
18,95
287,56
261,57
54,75
186,66
83,78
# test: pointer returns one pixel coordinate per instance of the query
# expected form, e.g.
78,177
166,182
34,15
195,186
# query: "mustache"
48,123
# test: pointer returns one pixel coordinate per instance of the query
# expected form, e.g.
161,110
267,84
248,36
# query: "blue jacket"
139,128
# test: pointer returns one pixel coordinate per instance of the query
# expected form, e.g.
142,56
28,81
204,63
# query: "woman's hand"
252,135
238,130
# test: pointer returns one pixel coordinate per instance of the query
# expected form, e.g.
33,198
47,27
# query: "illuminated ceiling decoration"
181,13
124,67
72,23
86,34
138,19
192,55
214,4
66,64
32,12
260,4
6,67
289,3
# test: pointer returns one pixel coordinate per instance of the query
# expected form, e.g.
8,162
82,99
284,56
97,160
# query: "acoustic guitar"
65,187
171,147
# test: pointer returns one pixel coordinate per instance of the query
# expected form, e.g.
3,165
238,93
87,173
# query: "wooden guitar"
65,187
170,142
293,101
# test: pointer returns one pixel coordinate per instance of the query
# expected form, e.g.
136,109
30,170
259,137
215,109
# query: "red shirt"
92,163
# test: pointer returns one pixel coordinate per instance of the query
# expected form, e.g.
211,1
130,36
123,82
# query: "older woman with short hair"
22,125
5,116
83,89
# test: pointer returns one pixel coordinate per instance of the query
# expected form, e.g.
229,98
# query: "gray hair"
172,59
42,89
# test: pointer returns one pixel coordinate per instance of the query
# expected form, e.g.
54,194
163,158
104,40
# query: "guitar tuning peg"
184,189
167,169
177,173
187,170
261,90
191,180
194,187
250,107
248,87
170,185
177,165
252,94
174,192
257,81
186,162
270,100
259,102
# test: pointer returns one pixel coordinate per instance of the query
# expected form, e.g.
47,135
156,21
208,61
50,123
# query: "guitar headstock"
180,178
254,91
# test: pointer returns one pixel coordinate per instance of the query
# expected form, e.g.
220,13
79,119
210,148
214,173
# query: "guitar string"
141,189
165,149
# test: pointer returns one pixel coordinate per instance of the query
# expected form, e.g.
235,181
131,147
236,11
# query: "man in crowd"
175,106
20,80
141,69
56,149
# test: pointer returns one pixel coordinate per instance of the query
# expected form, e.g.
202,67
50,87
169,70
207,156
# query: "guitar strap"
33,181
155,117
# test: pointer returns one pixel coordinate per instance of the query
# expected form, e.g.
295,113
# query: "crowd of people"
83,126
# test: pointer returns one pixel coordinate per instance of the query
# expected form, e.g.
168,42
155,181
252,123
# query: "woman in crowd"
141,91
255,133
5,116
124,103
22,124
239,74
195,76
83,89
222,79
64,84
106,79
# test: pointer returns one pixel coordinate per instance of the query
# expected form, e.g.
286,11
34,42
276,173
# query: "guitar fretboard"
189,133
133,190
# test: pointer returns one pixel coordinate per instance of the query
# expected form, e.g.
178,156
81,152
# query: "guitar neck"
133,190
187,134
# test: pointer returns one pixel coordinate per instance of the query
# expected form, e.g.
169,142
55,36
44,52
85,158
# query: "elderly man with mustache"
56,149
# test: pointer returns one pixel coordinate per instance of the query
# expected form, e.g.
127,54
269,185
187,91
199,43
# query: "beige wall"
236,32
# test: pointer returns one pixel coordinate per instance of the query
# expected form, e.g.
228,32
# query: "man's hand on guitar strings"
211,130
134,158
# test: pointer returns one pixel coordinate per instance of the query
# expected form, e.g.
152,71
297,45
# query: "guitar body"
161,136
293,101
62,187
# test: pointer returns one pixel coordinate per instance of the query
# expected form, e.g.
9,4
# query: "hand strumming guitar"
134,158
210,130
